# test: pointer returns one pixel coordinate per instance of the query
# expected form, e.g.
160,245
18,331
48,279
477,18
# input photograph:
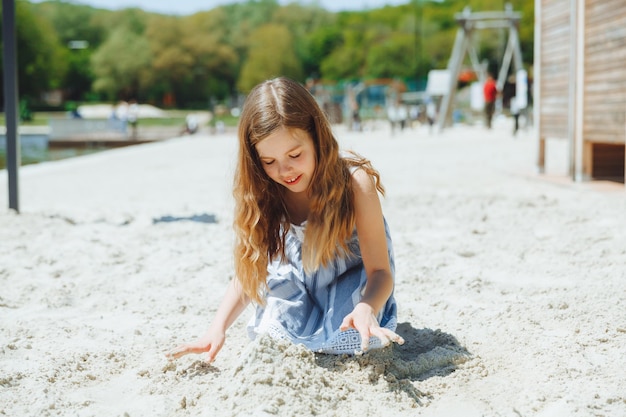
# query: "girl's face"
288,158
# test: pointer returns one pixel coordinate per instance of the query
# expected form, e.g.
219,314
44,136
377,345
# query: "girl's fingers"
183,350
386,336
365,342
213,352
383,336
345,324
394,337
177,352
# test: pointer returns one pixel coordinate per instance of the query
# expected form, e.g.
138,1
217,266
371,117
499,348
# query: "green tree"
266,62
318,45
191,59
348,59
133,20
171,62
121,64
215,60
79,77
211,54
391,58
74,21
302,22
244,18
41,63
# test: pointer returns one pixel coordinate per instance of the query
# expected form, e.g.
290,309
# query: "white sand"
511,287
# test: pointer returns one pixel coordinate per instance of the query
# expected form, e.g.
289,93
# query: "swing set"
469,23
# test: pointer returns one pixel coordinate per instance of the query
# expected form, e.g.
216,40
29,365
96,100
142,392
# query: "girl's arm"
232,305
373,242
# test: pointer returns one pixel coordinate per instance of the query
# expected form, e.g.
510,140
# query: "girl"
312,248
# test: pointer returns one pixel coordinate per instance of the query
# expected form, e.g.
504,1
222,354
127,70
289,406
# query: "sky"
185,7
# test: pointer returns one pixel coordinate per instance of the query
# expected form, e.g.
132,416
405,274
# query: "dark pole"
10,100
420,56
416,50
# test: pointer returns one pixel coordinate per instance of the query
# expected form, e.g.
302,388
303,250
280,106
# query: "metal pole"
10,99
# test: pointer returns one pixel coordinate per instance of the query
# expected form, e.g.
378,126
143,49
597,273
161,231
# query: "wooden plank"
615,131
587,159
557,115
555,67
606,118
554,76
555,131
614,97
607,11
605,72
610,73
541,155
615,134
604,51
555,83
555,120
599,138
603,103
554,9
554,101
604,31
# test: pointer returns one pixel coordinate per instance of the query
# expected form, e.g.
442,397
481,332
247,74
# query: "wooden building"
580,84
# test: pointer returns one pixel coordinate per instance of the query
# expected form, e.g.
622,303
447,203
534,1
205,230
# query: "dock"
112,139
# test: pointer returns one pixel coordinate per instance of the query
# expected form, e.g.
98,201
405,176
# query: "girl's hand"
211,342
363,320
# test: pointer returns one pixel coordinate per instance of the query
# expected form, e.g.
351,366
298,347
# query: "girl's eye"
296,155
268,162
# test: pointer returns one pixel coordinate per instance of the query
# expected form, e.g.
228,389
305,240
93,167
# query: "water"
34,156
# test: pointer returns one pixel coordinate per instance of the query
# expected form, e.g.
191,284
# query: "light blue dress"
308,309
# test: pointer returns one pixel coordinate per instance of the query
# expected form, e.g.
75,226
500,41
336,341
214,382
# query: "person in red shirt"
490,91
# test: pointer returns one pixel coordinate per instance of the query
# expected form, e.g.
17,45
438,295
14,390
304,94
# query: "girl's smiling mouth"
293,181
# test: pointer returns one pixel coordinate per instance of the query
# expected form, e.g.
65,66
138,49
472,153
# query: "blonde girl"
313,251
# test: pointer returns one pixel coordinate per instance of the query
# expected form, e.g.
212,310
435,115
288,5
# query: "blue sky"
184,7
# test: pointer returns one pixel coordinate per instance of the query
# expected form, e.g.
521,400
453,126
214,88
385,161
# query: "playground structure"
374,96
580,92
469,23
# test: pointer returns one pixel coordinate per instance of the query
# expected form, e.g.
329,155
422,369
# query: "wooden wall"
580,72
605,71
555,59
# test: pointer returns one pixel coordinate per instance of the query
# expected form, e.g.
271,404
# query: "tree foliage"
264,62
120,64
41,61
212,55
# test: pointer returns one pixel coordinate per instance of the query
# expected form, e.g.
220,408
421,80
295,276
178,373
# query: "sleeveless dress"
309,308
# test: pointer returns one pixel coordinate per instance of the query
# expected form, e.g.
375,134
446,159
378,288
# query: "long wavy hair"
261,219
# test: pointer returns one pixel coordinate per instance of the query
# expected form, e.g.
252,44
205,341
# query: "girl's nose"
284,168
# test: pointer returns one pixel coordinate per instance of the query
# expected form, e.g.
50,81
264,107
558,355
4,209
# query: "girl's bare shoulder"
362,181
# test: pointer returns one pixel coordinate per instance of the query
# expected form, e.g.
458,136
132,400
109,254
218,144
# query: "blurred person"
490,92
191,124
133,117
